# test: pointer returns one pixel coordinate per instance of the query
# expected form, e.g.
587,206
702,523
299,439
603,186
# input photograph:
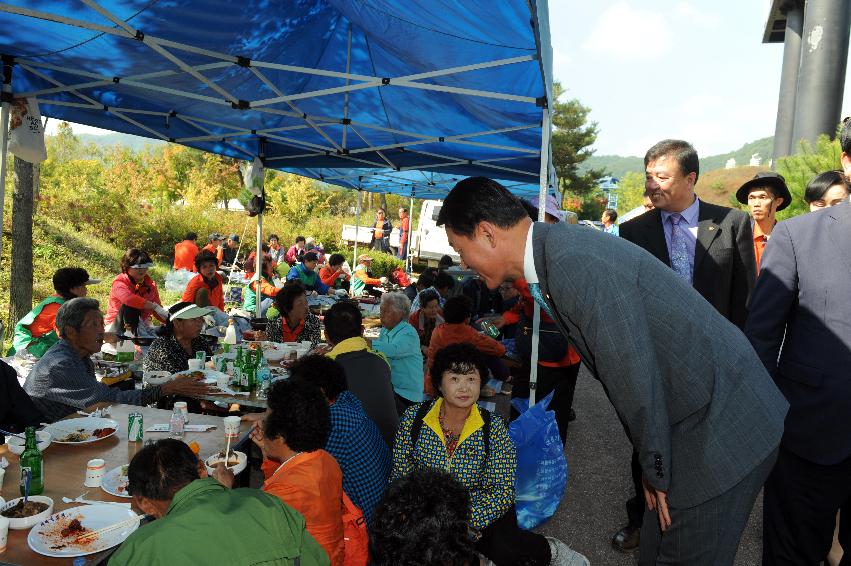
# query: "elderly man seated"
367,371
63,380
400,343
199,521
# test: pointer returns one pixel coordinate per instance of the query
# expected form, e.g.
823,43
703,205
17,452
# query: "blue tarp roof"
220,75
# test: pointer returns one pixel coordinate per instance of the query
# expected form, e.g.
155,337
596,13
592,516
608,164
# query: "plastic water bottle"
177,424
264,378
230,337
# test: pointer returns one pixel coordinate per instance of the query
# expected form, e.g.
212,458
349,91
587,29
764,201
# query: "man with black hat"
230,250
765,195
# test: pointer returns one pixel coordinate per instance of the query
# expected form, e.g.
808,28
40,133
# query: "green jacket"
23,338
249,303
207,523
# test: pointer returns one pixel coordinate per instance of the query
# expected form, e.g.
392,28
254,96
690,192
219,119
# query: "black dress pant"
504,543
636,505
562,380
800,502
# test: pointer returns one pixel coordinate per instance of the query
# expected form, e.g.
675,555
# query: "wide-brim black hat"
774,181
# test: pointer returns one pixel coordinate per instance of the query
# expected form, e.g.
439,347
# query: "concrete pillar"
783,130
821,80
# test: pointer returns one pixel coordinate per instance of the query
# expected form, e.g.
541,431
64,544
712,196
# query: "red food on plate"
102,432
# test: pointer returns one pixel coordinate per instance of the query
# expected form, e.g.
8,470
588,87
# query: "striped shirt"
62,382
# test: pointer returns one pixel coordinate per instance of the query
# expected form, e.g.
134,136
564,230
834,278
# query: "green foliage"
616,165
630,192
383,264
572,139
799,169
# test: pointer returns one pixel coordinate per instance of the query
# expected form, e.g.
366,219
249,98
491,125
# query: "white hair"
398,302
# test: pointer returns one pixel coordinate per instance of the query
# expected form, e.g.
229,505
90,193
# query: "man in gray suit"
708,246
800,325
701,411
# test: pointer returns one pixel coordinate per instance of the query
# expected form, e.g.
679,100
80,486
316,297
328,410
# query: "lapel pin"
712,227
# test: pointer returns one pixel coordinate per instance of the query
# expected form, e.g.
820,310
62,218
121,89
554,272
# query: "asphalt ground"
598,456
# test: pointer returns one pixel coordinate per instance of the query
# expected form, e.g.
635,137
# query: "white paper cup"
4,532
232,427
196,365
223,381
95,470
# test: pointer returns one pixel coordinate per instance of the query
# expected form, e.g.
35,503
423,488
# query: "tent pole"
4,125
357,235
258,264
542,206
409,261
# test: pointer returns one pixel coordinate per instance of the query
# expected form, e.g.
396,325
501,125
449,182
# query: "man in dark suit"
699,407
708,246
801,310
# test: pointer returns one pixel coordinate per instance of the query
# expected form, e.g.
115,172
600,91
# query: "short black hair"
427,296
423,519
310,256
444,281
161,469
427,278
479,199
66,278
336,259
460,358
445,261
203,257
191,236
682,151
611,213
845,136
292,290
134,256
298,414
819,184
457,309
343,320
274,236
322,371
300,239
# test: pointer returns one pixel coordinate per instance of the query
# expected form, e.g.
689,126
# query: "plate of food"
237,461
83,530
210,376
24,515
82,430
115,481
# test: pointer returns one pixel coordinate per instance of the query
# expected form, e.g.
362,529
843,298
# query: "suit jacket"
724,263
801,310
697,403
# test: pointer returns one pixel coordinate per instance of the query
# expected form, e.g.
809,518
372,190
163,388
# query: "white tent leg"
258,263
357,230
4,126
542,199
409,260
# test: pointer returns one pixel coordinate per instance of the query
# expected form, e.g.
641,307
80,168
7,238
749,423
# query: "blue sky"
649,70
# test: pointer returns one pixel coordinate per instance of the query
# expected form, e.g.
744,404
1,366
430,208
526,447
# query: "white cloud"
695,16
53,125
630,34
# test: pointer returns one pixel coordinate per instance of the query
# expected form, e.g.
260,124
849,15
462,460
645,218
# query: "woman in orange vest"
381,232
206,288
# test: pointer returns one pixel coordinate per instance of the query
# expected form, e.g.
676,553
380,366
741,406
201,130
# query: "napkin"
188,428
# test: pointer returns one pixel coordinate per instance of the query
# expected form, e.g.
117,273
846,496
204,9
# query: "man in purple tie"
708,246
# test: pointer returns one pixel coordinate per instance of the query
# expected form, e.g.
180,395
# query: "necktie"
535,290
679,249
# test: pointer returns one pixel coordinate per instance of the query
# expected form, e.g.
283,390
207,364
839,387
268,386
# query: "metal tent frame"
358,153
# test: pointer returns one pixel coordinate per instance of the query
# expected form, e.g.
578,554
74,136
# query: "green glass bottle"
238,369
32,461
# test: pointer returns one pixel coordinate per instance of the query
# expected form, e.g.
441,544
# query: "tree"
799,169
572,139
21,283
630,191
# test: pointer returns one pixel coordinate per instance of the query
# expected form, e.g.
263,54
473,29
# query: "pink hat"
552,207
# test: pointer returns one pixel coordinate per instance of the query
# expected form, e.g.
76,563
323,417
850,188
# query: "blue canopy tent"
398,96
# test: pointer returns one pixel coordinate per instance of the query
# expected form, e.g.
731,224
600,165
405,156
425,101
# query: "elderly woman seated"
452,433
179,339
295,322
426,318
400,344
133,297
63,381
36,332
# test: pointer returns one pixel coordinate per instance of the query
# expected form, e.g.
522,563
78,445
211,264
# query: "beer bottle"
32,463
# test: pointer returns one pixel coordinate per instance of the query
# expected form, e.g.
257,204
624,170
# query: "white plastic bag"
26,133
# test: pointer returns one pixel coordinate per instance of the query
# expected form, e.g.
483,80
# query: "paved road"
598,455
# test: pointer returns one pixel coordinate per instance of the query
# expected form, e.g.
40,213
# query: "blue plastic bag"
541,464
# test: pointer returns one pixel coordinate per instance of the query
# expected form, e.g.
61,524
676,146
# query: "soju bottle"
247,372
32,464
238,365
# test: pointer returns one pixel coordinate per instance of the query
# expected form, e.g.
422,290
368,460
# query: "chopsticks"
116,526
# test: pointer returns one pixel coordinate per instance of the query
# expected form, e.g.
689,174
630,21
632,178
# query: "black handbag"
552,345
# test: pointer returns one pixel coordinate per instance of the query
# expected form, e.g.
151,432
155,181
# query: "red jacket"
217,294
125,292
184,255
447,334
